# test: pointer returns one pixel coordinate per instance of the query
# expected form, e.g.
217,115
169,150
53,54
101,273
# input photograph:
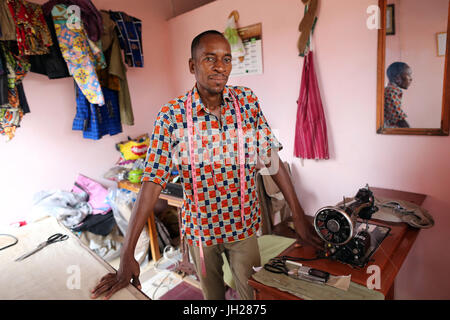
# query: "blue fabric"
129,31
96,121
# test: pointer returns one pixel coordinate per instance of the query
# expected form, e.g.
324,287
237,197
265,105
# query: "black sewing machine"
345,229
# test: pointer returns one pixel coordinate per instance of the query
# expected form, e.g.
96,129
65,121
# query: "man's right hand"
112,282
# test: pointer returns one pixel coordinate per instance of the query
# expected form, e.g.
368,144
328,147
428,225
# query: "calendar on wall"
252,63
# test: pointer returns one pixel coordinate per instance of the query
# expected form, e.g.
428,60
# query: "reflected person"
400,78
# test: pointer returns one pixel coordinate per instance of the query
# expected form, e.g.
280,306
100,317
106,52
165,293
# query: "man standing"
214,134
400,77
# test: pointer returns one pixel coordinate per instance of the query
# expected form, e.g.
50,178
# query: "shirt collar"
196,100
395,86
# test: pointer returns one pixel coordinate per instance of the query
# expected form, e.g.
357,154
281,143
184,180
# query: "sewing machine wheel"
333,225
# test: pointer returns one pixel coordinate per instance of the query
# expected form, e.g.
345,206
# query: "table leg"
390,293
153,235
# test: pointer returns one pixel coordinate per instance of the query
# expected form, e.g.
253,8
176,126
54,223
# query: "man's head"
400,74
210,61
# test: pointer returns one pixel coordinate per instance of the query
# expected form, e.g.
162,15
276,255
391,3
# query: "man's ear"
192,65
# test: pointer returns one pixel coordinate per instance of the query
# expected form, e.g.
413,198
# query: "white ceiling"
178,7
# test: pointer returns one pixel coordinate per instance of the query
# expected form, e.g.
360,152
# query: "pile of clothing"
86,211
69,38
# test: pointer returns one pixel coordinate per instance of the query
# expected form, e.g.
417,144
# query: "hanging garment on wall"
3,81
96,121
114,77
7,23
78,55
33,36
52,64
90,16
130,36
17,67
311,140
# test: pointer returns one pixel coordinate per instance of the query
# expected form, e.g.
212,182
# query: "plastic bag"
117,173
133,149
122,202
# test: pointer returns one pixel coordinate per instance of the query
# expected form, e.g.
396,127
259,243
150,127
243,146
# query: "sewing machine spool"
334,225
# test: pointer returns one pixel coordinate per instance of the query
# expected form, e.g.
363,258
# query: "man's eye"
209,59
227,60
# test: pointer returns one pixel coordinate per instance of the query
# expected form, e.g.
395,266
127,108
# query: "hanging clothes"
96,121
3,80
7,23
130,36
311,140
17,67
114,76
33,36
78,54
90,16
52,64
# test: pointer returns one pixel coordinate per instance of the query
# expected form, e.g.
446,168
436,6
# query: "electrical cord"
9,245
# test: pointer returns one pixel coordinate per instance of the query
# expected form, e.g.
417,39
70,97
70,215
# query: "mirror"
413,92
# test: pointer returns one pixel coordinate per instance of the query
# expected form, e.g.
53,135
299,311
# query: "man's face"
405,78
211,63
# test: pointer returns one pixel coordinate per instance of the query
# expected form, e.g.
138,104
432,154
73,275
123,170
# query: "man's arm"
303,227
129,268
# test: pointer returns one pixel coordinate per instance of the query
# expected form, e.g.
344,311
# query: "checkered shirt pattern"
217,166
393,112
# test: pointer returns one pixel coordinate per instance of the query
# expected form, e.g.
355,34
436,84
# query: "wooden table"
184,266
389,256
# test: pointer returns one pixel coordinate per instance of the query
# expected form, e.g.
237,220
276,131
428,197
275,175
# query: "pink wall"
346,61
47,154
414,42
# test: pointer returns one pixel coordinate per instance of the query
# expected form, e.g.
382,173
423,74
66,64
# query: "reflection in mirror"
414,66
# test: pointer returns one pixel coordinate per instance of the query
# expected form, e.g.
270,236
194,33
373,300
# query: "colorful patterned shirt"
217,166
393,112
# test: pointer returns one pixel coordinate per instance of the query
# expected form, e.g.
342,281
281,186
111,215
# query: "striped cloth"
311,129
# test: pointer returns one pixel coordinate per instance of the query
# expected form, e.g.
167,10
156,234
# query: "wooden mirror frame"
381,67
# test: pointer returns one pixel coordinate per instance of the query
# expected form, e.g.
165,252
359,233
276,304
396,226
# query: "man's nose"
219,65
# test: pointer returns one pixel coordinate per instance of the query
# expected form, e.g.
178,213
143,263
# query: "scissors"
52,239
277,265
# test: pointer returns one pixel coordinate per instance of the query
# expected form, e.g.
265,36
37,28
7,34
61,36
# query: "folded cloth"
312,291
95,193
403,211
97,224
